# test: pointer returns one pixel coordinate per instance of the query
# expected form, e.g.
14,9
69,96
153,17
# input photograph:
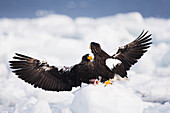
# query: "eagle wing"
130,53
40,74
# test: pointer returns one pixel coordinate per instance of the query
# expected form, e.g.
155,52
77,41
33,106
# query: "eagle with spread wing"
40,74
127,55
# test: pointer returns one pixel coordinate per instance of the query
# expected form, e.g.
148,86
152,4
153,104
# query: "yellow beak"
90,58
89,47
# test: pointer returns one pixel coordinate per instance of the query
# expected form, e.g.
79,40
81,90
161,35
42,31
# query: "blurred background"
79,8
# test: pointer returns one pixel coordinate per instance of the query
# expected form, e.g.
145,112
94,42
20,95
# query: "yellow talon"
107,82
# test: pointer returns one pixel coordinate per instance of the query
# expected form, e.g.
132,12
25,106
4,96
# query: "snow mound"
159,108
32,105
111,99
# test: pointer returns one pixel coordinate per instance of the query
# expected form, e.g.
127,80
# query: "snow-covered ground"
62,41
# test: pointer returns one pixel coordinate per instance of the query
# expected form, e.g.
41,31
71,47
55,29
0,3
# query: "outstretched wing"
40,74
130,53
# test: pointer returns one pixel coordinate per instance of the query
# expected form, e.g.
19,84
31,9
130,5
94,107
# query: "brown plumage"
51,78
100,57
128,55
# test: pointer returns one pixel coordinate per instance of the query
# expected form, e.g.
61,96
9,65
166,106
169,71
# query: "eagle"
40,74
127,56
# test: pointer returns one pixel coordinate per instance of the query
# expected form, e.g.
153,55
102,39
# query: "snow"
159,109
111,99
62,41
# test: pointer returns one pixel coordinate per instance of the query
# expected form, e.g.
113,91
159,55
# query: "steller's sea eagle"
51,78
40,74
128,55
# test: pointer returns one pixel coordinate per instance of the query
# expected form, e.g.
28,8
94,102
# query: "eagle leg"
94,81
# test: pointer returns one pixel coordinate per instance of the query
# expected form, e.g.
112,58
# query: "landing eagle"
128,55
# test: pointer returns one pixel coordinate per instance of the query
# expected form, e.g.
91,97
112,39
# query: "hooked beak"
90,58
89,47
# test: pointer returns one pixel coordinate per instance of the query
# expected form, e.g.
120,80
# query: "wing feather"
40,74
130,53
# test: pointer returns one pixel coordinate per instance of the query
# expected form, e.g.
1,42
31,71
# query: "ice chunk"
158,109
111,99
32,105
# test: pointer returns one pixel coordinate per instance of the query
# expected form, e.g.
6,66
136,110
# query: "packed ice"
109,99
62,41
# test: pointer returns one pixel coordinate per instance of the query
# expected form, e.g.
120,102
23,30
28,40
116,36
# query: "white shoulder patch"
64,68
110,62
46,68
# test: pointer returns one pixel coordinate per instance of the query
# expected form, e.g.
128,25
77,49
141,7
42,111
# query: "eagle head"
87,58
95,47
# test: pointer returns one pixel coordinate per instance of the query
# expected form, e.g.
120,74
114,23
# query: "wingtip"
150,35
16,53
142,34
147,31
14,57
143,31
10,62
24,56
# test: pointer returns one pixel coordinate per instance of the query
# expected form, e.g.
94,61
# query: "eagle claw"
107,82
